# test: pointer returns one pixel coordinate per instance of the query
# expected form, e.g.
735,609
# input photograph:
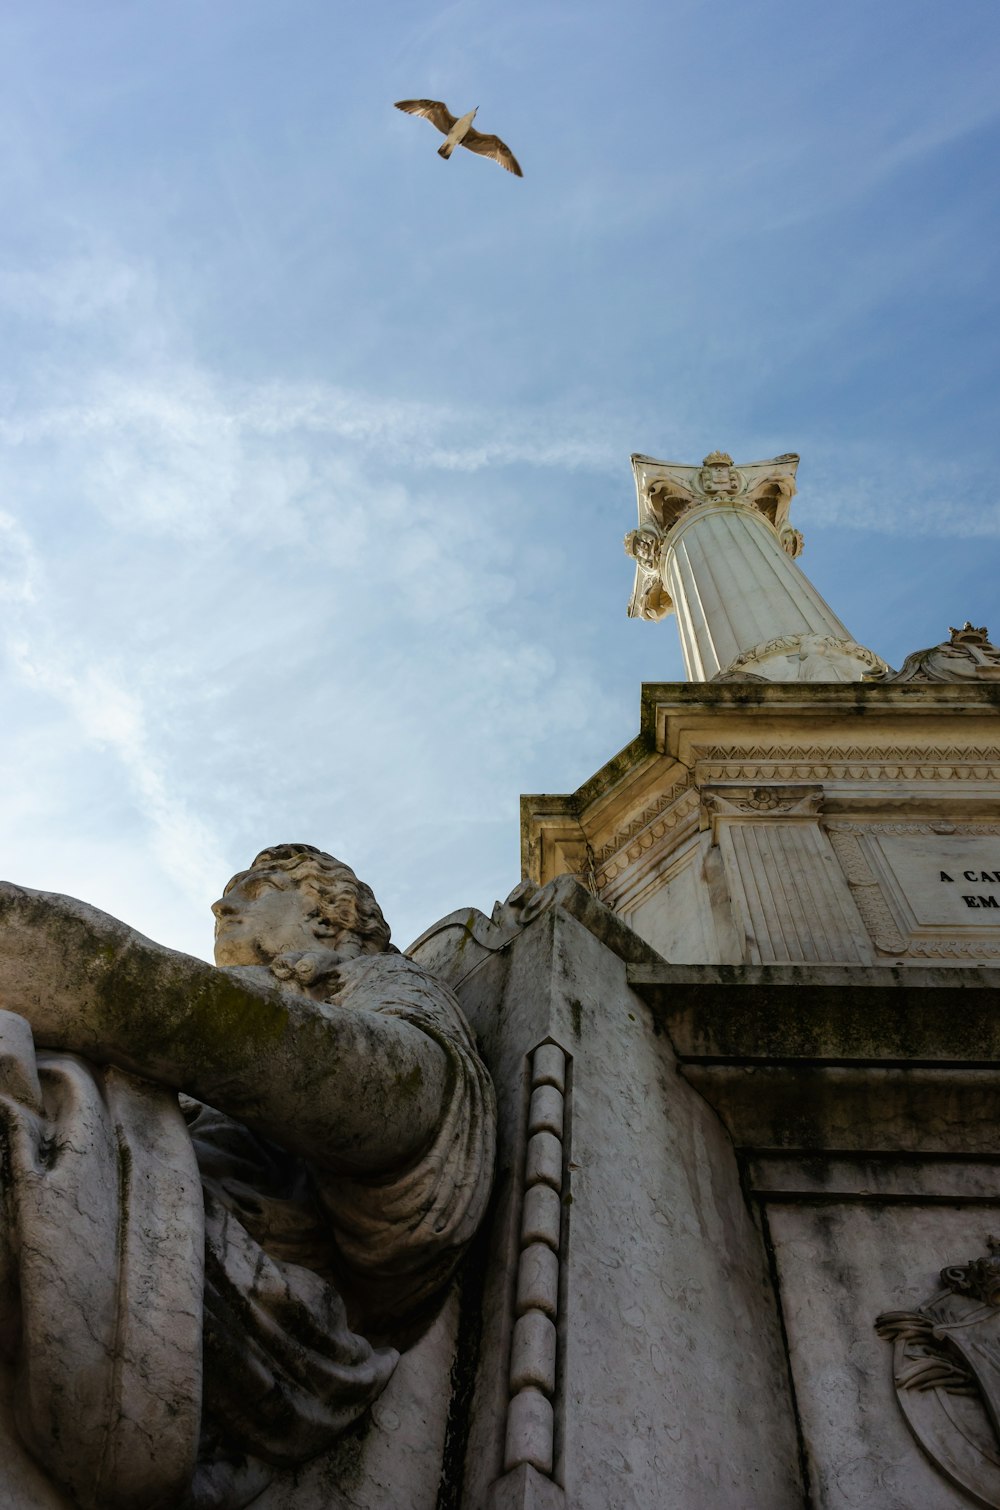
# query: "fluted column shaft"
734,588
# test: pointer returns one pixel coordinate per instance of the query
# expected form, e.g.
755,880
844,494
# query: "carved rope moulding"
867,893
530,1434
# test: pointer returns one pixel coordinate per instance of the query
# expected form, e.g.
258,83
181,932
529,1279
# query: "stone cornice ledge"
833,1014
821,1061
670,709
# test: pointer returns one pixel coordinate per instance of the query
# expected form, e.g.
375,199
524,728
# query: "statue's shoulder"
395,984
395,969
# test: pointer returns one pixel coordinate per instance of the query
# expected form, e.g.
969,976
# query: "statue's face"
261,914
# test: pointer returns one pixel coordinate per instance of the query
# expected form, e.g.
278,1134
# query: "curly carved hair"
343,903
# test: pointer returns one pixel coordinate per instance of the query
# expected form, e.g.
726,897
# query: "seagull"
460,133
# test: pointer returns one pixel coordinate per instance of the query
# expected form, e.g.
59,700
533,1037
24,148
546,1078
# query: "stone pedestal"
862,1107
739,1239
629,1351
719,1190
763,823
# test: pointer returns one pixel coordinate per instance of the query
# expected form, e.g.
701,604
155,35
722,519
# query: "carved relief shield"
946,1373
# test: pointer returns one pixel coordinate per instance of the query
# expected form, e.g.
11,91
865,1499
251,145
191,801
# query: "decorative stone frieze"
649,814
789,762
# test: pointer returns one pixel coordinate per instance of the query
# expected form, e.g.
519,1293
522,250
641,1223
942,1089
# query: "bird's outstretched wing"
434,111
492,146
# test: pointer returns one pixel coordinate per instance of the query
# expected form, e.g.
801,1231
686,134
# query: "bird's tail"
446,150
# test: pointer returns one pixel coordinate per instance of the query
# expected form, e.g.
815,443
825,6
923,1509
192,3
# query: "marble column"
714,547
734,588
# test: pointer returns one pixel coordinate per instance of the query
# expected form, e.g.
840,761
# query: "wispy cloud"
18,564
110,716
223,627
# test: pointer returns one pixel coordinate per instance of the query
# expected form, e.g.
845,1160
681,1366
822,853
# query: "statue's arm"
348,1087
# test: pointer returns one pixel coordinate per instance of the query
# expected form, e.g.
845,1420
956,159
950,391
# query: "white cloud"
71,291
262,610
107,714
18,564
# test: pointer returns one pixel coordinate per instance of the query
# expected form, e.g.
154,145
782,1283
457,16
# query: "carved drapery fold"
101,1258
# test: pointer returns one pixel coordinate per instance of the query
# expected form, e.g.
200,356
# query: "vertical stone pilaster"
789,893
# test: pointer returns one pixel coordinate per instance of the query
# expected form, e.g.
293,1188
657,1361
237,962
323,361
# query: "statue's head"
295,898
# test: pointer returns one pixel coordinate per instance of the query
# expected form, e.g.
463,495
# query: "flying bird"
460,133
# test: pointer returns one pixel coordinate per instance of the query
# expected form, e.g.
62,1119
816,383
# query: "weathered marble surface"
392,1457
840,1267
256,1271
668,1383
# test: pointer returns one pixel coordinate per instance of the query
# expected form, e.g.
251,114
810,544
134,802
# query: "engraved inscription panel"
946,879
925,890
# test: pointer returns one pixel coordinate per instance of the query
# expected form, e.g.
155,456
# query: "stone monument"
812,840
733,1037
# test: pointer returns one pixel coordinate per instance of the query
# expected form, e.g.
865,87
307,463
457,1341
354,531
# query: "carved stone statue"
197,1292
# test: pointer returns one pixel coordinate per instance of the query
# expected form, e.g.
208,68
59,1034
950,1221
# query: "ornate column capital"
667,490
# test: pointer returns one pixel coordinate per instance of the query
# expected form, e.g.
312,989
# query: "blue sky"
314,448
